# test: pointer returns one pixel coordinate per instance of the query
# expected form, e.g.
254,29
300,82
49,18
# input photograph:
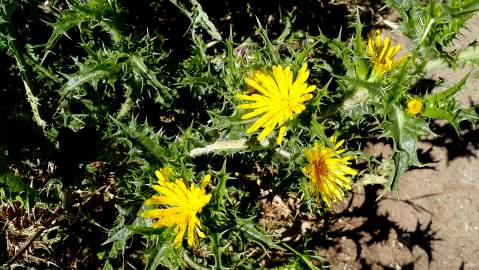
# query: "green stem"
216,250
428,28
15,48
126,106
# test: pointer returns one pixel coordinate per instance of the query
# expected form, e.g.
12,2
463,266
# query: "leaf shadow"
367,226
456,146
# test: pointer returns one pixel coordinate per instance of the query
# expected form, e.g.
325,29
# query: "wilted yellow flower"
414,106
328,172
279,99
382,54
184,204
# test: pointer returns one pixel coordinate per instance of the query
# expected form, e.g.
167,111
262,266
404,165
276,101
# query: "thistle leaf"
250,231
404,130
94,12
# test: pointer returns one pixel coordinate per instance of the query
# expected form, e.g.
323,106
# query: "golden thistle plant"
293,115
224,126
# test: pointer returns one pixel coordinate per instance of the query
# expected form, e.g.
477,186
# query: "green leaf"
89,76
119,237
467,8
143,137
405,130
443,95
92,73
318,130
250,231
139,66
359,46
303,257
374,87
443,105
145,230
320,94
271,50
94,12
12,185
120,233
164,254
221,190
198,18
67,20
438,113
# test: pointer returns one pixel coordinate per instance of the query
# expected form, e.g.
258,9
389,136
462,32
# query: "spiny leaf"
250,231
405,131
443,95
145,230
198,18
164,254
271,50
139,66
120,236
100,12
92,77
443,105
467,8
93,71
221,190
143,137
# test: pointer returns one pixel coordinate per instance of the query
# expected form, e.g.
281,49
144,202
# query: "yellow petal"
265,132
205,181
282,130
160,176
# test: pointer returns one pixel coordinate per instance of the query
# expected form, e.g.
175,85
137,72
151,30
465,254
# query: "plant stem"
15,48
217,251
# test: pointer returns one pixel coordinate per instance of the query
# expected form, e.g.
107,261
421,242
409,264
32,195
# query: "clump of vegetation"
100,96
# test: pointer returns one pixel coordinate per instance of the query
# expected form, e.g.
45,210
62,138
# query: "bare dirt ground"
435,223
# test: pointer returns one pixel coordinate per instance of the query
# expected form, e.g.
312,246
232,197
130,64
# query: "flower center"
195,205
288,104
320,167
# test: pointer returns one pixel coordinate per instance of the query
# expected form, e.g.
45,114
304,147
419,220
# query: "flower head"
184,204
327,171
382,54
278,100
414,106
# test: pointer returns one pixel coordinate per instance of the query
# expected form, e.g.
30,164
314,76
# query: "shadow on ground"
456,146
363,225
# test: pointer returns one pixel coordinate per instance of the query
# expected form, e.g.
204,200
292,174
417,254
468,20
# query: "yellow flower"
328,172
414,106
382,54
184,204
279,99
167,172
